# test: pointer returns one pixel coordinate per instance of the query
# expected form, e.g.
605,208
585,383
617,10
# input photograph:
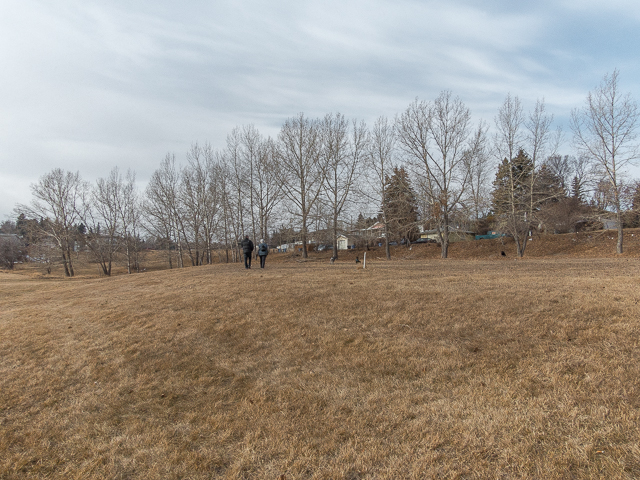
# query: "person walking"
247,249
263,251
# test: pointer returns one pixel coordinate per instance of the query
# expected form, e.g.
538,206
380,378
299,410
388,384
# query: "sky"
92,85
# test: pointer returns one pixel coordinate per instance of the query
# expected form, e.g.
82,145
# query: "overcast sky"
86,86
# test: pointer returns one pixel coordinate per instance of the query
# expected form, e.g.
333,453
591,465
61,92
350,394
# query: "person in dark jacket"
263,251
247,249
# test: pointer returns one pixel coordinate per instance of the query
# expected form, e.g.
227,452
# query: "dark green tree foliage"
27,228
363,223
632,217
555,209
577,189
510,188
511,198
548,187
635,201
401,205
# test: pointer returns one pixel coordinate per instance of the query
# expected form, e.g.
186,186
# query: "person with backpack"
263,251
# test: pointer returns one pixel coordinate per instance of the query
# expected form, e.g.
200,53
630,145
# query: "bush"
11,251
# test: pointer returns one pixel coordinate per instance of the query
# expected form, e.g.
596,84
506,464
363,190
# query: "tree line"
429,168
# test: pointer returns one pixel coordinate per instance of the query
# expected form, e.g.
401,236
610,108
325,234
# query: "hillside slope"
599,244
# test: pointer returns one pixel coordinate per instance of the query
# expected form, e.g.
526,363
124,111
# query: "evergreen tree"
510,188
511,198
632,217
548,187
576,189
400,205
635,201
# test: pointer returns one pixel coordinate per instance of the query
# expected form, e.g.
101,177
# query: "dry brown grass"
491,368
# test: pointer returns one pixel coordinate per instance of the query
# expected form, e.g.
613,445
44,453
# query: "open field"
596,244
415,368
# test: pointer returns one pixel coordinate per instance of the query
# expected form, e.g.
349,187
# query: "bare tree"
605,131
562,167
113,220
344,147
102,221
575,173
301,164
59,197
129,214
237,183
223,176
514,173
380,162
434,138
509,138
8,227
12,250
250,147
538,126
211,198
193,192
477,164
161,207
266,185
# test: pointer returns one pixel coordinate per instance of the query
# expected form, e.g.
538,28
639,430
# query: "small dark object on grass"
503,254
333,259
357,260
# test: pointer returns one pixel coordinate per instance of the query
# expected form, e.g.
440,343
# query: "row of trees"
430,166
604,136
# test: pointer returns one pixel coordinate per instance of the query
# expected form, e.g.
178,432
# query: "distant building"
455,235
345,242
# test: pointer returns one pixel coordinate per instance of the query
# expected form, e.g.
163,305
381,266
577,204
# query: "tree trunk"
71,272
67,273
445,236
620,233
128,253
387,250
445,243
334,242
304,242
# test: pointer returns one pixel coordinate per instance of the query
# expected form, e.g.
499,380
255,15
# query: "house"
284,247
455,235
376,230
10,236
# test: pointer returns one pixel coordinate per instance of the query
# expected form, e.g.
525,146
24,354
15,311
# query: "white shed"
344,242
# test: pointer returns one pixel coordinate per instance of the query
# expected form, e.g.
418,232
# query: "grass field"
414,368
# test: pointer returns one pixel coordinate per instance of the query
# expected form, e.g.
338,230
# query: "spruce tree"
511,198
400,205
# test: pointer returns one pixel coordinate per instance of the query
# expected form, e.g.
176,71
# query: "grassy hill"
481,366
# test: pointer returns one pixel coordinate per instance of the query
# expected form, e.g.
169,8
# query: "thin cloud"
92,85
